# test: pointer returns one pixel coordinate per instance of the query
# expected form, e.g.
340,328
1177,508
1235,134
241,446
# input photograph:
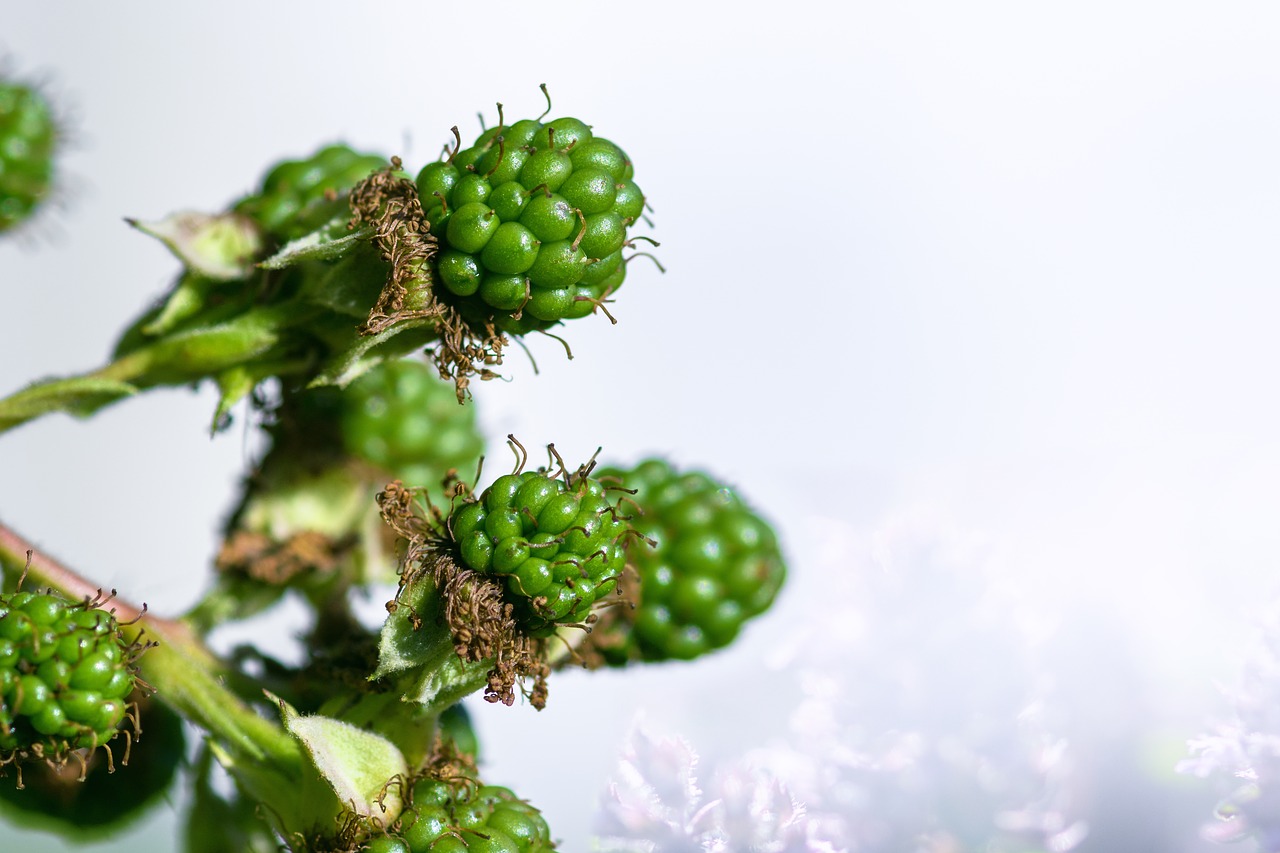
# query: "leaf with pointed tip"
183,302
350,361
351,286
217,246
205,351
319,245
76,395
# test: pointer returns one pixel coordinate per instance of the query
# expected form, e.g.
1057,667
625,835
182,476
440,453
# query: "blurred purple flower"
1243,753
654,805
919,728
927,729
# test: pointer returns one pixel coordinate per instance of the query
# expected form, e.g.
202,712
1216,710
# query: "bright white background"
1008,266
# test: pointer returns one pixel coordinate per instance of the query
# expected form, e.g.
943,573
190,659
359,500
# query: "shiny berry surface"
532,207
65,674
557,543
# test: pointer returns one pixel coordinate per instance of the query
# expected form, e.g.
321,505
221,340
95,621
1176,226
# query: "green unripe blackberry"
66,673
542,199
112,792
714,564
28,137
558,544
299,196
401,417
458,813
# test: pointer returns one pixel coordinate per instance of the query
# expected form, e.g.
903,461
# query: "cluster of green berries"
714,563
461,815
299,196
65,674
560,544
401,417
531,221
28,137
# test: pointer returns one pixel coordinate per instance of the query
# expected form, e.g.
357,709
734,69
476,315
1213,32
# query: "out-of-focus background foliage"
1000,276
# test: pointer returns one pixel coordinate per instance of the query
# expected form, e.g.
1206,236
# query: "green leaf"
205,351
234,385
438,687
183,302
358,765
319,245
351,286
349,362
413,634
77,395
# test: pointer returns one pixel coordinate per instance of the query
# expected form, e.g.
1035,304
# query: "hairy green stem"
185,674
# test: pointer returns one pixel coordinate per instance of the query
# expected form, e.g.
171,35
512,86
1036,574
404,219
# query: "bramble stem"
186,675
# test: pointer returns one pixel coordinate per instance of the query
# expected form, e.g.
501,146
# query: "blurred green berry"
401,417
28,139
299,196
714,564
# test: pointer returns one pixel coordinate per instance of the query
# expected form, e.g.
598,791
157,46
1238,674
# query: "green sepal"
204,351
416,649
76,395
437,688
292,803
319,245
221,247
410,726
358,765
234,384
184,302
351,286
402,646
350,361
